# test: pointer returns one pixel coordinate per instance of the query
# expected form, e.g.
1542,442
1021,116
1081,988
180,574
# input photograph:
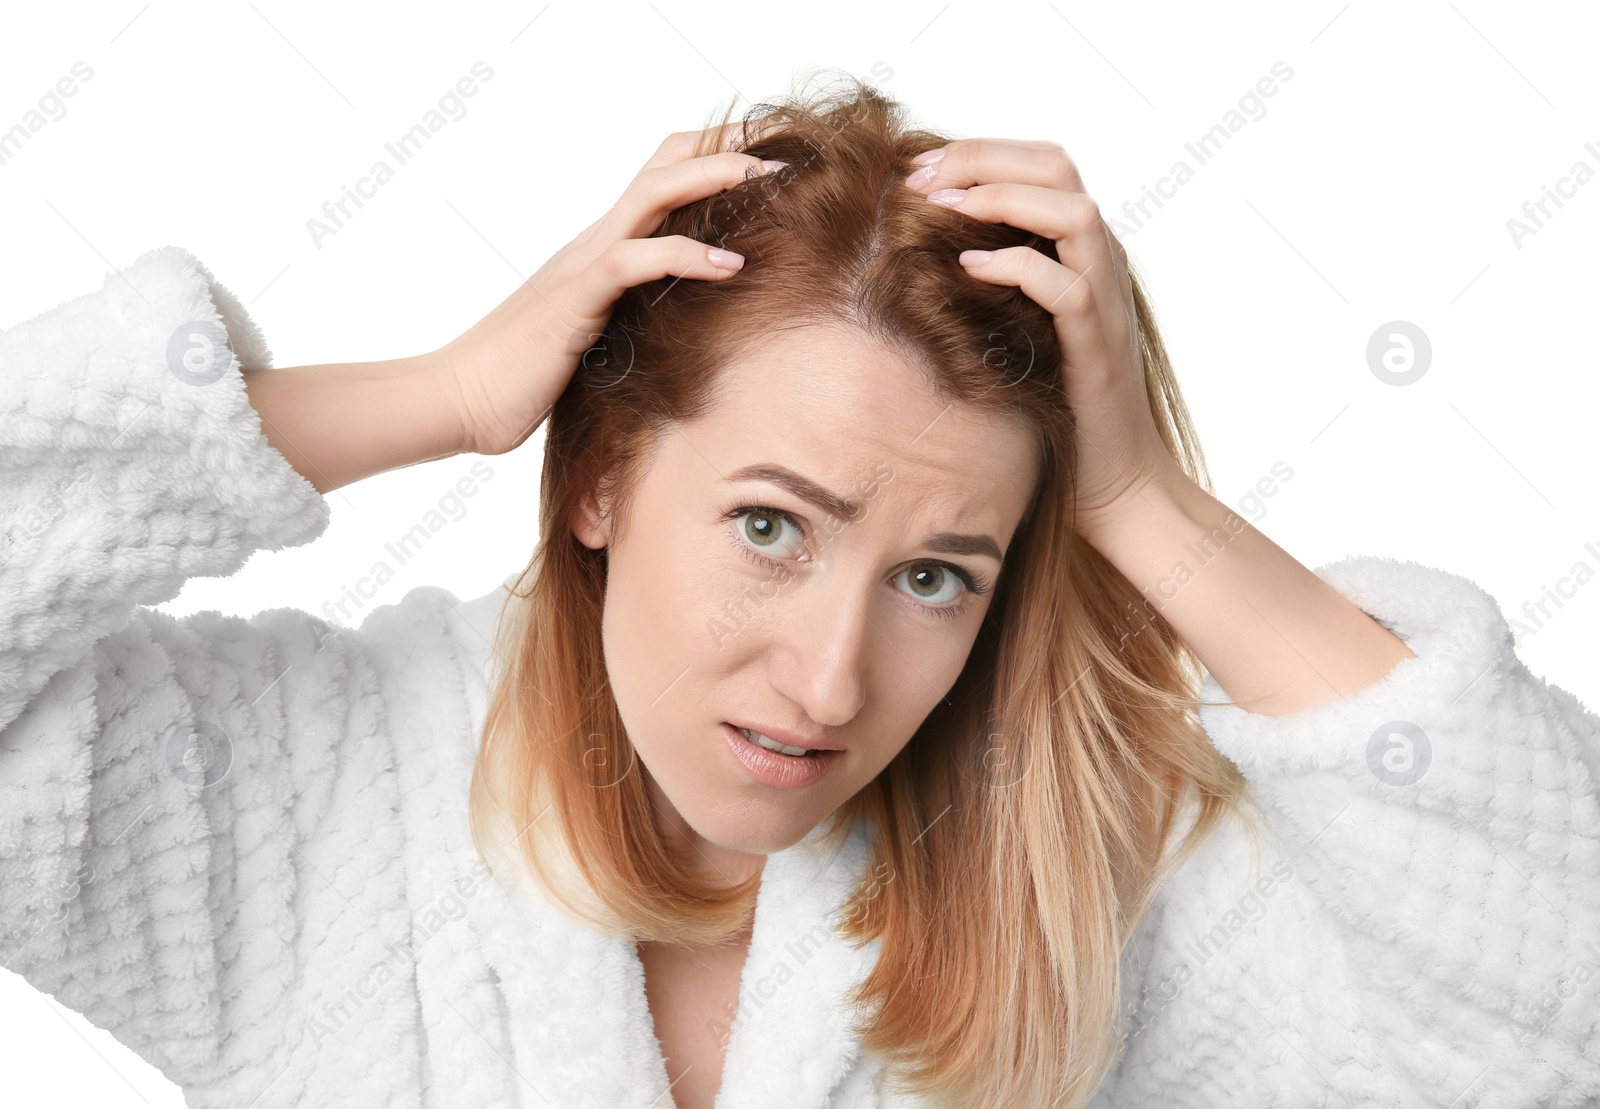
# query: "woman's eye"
931,583
759,533
763,529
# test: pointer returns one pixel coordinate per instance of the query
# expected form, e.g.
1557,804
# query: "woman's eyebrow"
843,508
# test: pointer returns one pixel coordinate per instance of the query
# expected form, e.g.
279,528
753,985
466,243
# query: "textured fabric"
240,845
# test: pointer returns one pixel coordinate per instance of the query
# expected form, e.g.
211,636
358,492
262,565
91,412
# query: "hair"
1037,809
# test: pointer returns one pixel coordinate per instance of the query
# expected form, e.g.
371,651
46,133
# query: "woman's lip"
788,738
775,769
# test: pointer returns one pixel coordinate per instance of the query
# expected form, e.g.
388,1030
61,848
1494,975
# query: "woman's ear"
592,528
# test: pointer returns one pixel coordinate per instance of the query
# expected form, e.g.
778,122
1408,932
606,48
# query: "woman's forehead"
857,426
830,390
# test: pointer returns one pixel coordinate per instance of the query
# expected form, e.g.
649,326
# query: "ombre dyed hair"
1066,759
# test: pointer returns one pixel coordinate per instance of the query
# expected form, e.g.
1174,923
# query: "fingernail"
928,157
975,257
918,178
772,166
724,259
947,196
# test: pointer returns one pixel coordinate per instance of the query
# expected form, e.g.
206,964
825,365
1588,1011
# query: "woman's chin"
751,833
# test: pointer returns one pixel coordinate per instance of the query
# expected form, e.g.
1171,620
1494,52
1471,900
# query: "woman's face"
736,597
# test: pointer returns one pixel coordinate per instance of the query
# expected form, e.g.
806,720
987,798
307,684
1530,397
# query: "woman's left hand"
1035,186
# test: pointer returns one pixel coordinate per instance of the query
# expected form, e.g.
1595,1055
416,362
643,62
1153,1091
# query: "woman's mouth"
779,767
762,740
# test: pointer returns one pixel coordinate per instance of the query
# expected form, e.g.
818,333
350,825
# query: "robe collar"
578,1016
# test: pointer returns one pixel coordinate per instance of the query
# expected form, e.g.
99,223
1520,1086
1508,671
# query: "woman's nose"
824,648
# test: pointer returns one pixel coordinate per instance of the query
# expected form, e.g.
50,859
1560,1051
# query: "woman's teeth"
771,744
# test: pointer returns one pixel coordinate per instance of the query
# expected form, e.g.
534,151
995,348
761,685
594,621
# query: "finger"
656,191
737,134
680,146
1032,144
978,161
629,262
1068,296
1073,221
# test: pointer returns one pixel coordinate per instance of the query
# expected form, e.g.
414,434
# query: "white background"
1376,187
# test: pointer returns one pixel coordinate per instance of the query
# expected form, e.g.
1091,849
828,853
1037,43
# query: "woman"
874,494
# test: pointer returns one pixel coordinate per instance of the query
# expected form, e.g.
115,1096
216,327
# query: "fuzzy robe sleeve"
1444,825
173,793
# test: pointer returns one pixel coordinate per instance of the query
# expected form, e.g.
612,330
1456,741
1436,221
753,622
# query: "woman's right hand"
511,366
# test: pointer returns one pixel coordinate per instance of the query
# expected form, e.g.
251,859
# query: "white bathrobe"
240,844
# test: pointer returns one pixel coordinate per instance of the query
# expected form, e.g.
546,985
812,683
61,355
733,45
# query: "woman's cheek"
937,671
738,600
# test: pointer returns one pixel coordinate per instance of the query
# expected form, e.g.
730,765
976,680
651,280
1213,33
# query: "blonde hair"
1035,812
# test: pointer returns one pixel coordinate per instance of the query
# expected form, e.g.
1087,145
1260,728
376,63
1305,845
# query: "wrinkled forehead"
855,417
